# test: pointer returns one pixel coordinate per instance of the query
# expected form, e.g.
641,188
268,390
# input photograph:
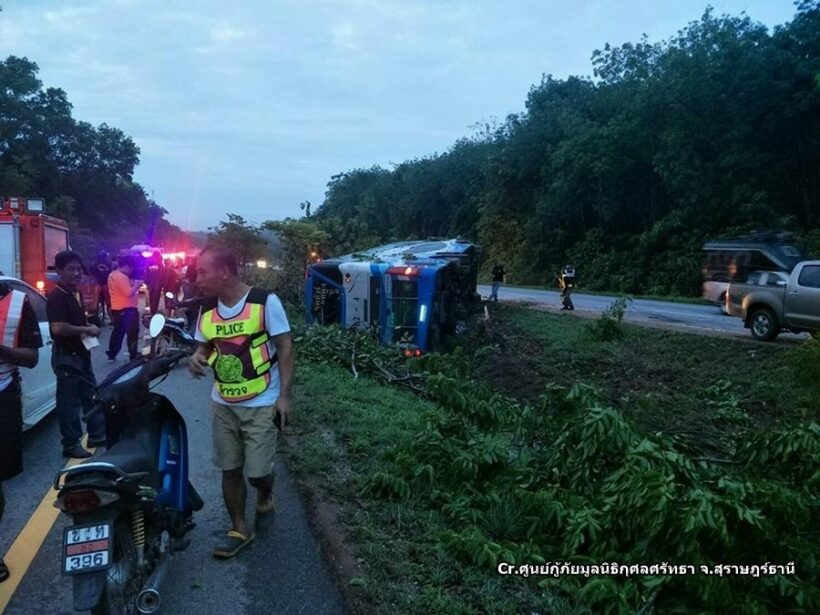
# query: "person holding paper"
71,359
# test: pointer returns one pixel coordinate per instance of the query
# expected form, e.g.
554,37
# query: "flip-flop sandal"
234,543
4,571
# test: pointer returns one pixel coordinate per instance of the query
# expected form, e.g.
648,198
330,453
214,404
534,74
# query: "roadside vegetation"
541,440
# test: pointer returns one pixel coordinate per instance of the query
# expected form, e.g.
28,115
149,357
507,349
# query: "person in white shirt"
245,336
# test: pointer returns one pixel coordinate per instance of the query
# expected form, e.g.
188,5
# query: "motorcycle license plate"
87,548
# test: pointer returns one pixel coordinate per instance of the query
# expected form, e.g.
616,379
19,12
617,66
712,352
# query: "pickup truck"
769,302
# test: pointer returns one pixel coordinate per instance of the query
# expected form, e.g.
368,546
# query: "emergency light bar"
35,205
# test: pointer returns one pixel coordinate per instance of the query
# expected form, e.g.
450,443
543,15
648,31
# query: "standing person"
124,312
71,359
100,270
20,340
499,277
171,284
567,282
153,280
244,334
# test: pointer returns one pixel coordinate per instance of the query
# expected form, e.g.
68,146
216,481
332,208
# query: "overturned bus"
411,293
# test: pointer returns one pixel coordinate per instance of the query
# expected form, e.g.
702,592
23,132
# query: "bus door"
356,286
402,305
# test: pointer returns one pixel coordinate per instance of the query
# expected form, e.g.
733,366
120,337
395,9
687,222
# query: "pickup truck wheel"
722,305
763,324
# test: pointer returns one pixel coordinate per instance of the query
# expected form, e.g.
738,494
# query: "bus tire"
763,324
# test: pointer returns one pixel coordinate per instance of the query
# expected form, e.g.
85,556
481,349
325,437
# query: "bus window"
326,303
56,240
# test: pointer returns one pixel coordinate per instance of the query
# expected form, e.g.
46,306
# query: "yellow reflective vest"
241,359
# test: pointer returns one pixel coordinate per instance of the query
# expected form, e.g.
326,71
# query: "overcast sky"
250,106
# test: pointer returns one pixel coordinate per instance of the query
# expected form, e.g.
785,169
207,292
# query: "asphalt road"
702,319
281,572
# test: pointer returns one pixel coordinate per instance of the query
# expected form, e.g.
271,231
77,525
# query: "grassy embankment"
697,402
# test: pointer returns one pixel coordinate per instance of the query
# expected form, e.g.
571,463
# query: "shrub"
607,327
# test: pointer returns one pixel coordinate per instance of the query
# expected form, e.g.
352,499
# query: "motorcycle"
132,505
178,333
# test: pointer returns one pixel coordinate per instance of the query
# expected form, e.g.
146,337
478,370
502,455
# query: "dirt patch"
514,369
324,516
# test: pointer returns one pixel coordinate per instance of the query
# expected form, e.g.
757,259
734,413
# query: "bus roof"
411,251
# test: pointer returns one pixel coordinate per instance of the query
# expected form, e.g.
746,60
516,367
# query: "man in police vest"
20,340
245,337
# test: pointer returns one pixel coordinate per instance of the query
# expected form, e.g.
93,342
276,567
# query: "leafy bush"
607,327
572,480
805,361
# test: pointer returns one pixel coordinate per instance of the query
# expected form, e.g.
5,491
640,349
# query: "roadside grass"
345,433
708,393
707,390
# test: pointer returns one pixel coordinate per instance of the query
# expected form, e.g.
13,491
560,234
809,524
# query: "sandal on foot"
234,542
4,571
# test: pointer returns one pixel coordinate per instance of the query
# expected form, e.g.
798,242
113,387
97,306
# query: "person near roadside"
171,284
499,276
100,270
71,358
20,341
124,300
243,333
154,274
567,283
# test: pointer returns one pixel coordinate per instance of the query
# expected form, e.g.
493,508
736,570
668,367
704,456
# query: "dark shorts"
11,431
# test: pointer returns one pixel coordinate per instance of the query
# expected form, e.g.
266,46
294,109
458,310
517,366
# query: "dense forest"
85,173
715,131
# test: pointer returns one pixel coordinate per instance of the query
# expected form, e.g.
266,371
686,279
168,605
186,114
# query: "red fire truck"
29,240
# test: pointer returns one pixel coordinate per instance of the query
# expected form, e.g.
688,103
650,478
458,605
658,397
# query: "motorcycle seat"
128,455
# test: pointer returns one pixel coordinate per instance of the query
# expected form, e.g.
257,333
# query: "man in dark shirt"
498,275
71,359
20,353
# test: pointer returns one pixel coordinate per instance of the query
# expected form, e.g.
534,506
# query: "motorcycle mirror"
156,325
169,295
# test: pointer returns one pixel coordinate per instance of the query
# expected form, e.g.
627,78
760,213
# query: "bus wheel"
763,324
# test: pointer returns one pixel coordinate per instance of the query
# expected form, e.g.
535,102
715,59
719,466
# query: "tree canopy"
85,173
625,174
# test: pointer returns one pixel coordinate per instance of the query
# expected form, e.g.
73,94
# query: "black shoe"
76,452
95,443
